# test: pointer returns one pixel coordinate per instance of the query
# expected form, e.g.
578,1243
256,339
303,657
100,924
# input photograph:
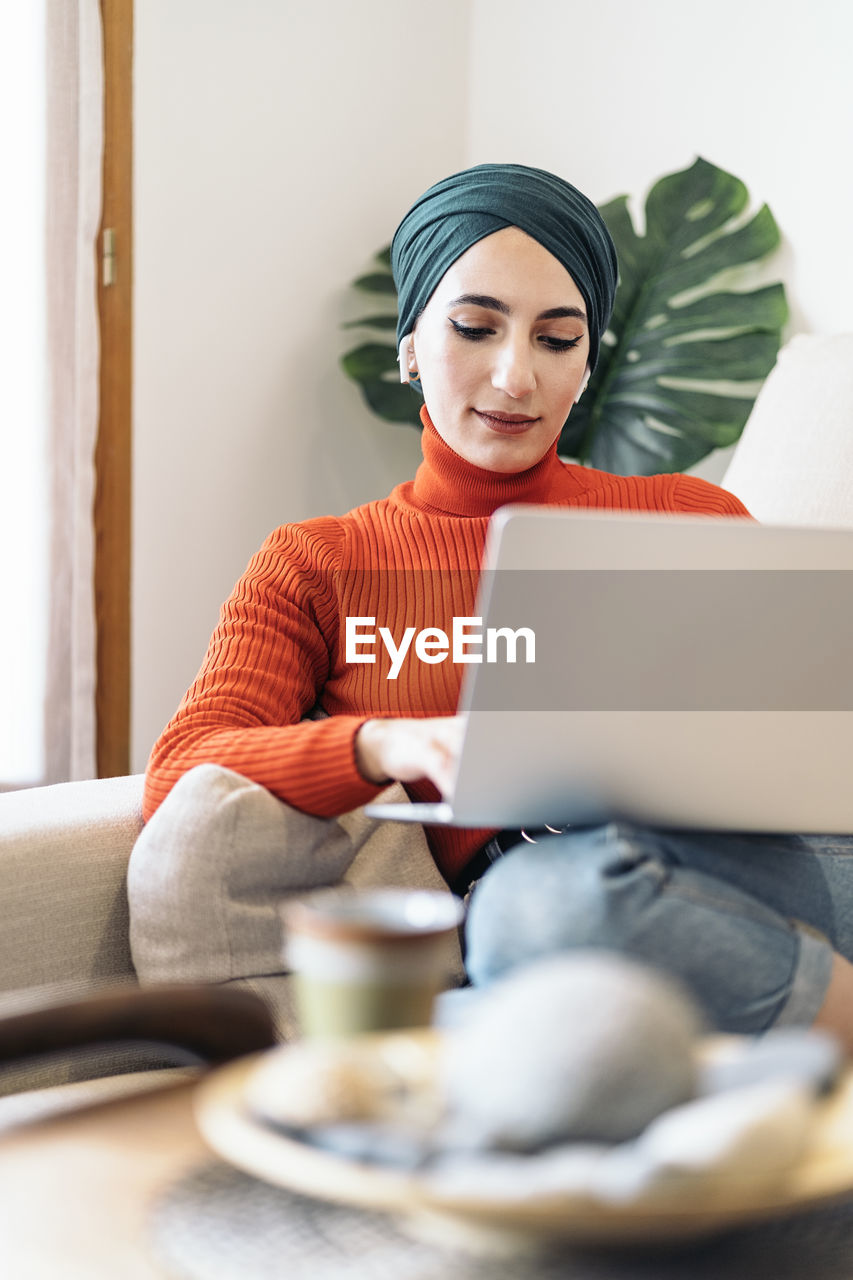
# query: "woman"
505,279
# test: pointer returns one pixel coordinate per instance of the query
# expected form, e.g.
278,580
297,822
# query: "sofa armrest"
64,851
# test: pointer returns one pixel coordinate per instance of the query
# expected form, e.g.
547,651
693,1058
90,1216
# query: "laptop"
683,671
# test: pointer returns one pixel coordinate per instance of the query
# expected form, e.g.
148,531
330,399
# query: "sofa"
65,936
64,849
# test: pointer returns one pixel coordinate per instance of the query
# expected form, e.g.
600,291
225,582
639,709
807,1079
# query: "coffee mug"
368,959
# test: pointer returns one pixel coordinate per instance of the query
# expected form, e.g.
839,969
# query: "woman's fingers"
406,750
441,752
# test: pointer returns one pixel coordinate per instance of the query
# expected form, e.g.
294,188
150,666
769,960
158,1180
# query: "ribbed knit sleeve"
702,498
266,664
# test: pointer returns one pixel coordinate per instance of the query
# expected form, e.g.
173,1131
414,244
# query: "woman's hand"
404,750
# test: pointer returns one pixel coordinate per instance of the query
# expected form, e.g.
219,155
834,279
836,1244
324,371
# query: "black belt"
496,848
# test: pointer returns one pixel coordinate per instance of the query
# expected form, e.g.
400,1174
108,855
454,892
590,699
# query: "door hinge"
108,257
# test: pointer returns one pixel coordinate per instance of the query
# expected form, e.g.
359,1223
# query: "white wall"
613,95
277,143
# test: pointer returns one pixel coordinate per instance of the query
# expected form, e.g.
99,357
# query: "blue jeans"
748,922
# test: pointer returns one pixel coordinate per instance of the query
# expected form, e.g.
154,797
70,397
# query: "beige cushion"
209,872
794,462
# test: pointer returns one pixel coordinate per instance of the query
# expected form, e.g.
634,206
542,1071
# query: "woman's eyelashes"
472,333
559,344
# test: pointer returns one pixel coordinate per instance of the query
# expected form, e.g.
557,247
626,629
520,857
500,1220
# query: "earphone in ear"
406,359
582,387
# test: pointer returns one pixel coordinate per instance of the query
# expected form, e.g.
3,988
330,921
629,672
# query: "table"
77,1192
75,1189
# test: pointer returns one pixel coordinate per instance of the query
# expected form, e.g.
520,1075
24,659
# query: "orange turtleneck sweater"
411,559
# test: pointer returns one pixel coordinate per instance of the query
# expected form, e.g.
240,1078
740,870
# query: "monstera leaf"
686,351
373,365
684,356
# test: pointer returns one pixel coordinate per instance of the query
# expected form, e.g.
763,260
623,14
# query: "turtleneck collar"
446,482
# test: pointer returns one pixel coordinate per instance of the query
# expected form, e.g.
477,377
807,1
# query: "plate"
679,1209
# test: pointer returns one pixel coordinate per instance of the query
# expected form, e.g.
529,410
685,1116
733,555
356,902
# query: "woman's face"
501,348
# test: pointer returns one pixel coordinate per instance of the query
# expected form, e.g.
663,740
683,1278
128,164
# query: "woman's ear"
406,359
582,387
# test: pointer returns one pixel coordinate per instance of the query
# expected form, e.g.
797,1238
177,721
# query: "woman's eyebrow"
495,304
481,300
558,313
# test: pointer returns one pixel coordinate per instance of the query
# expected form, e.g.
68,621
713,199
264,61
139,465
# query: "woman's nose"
513,371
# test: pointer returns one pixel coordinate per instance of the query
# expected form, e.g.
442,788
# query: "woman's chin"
512,453
505,452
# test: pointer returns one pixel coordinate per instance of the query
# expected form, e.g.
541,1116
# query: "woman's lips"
510,424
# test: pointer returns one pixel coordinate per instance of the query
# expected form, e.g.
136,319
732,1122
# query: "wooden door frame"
112,507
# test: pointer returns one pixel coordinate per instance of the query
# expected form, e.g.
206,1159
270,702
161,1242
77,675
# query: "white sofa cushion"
794,462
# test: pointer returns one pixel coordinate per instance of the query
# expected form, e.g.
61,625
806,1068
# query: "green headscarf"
468,206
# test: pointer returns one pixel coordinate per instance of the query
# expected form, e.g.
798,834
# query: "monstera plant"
687,348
